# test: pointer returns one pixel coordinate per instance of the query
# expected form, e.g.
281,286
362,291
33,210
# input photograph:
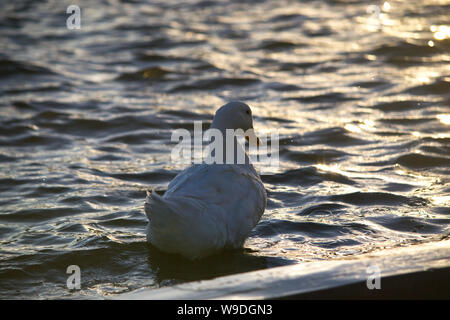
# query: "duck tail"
155,206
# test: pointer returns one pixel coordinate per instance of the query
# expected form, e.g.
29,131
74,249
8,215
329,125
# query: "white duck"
209,207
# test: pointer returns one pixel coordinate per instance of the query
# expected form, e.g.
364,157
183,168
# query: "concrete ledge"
417,271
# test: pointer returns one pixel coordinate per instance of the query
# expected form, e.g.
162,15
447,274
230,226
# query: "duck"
210,206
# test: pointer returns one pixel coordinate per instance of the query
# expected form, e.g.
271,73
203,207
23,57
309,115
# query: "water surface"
360,99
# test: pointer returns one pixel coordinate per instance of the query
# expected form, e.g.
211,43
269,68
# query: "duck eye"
247,112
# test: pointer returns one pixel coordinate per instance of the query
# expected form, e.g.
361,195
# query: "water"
359,94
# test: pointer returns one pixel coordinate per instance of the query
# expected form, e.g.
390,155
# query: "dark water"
360,98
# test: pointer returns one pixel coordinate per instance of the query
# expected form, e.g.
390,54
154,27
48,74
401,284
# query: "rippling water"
359,94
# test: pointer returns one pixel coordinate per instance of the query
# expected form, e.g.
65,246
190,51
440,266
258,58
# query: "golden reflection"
336,168
367,125
441,200
370,57
444,118
352,128
418,179
441,32
422,135
330,168
420,75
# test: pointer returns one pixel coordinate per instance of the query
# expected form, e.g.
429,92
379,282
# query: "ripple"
145,177
420,161
273,227
323,208
312,156
407,224
10,68
439,86
12,129
155,57
86,119
400,105
378,198
406,121
277,45
405,53
135,138
330,136
306,177
398,187
6,158
279,86
288,16
292,66
371,84
39,215
44,141
44,191
214,84
151,73
323,98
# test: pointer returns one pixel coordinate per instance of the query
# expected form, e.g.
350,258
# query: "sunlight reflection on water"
358,93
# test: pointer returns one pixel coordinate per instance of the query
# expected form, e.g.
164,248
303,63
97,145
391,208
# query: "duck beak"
251,137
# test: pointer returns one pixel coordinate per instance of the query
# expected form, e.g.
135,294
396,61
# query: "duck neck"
232,150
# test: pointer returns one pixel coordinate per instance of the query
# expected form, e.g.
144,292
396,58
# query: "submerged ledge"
417,271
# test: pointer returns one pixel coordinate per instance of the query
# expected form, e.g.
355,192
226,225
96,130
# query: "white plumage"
209,207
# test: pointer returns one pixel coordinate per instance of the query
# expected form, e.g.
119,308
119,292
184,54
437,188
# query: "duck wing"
205,208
